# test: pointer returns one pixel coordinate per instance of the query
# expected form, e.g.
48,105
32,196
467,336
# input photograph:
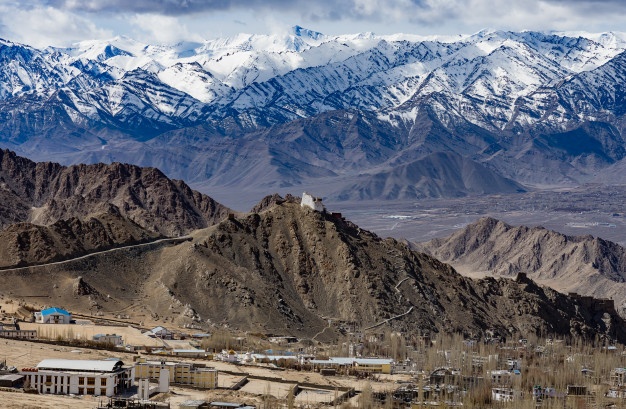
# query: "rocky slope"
583,264
288,270
28,244
44,193
441,174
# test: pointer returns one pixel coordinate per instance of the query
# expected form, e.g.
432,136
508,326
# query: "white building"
160,332
80,377
53,315
312,202
504,394
227,356
501,377
110,339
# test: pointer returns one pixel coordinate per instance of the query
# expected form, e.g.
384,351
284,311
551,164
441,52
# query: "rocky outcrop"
583,264
80,287
271,200
45,193
23,244
290,269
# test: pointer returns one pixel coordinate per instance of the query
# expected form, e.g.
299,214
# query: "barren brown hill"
26,243
584,264
289,270
44,193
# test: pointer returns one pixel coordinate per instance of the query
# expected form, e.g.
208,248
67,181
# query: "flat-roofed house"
19,334
184,373
109,339
11,380
373,365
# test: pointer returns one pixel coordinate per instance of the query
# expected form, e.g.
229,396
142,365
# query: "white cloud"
154,28
43,26
58,22
533,15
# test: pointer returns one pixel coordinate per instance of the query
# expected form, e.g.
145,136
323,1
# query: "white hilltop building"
312,202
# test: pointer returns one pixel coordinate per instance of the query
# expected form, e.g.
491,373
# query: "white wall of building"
312,202
77,383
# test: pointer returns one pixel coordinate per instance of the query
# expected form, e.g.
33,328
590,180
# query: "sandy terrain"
22,354
260,387
20,400
130,335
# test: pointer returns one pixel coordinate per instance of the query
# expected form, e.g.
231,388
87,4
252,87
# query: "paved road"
56,263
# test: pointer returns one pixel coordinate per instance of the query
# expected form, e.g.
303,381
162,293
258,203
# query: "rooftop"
11,377
54,310
226,404
83,365
350,361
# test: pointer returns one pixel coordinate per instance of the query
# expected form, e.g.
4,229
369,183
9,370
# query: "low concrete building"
160,332
504,394
284,340
110,339
372,365
11,380
227,356
182,373
264,358
618,376
80,377
501,377
53,315
18,334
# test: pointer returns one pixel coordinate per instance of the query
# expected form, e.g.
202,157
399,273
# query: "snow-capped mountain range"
302,107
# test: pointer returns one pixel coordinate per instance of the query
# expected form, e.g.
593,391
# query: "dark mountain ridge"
23,244
48,192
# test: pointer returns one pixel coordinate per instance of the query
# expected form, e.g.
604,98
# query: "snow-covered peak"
301,72
305,32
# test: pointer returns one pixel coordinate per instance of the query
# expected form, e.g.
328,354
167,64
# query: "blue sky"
61,22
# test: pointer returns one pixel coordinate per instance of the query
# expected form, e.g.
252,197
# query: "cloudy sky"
61,22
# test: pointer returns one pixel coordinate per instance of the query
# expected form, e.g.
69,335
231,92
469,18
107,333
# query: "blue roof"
54,310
